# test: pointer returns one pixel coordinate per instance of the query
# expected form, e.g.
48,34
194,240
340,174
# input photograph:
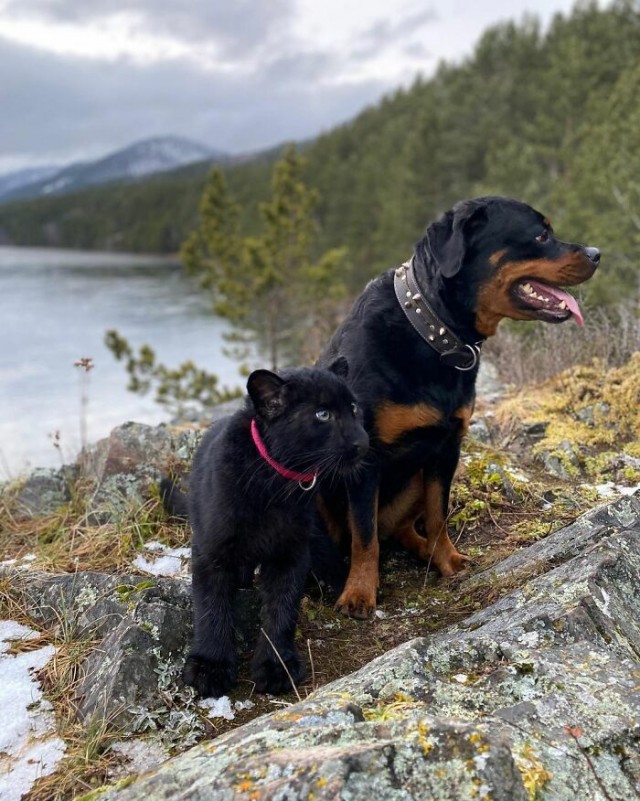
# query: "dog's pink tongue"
572,303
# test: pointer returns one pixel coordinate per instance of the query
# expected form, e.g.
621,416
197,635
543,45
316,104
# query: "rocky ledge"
535,696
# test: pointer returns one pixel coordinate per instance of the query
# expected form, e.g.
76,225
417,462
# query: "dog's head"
495,257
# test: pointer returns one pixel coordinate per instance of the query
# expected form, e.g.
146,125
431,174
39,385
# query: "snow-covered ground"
160,560
29,747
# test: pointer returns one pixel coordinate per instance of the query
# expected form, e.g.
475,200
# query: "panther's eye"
354,409
543,237
323,415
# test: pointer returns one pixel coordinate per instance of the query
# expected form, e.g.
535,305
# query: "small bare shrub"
530,354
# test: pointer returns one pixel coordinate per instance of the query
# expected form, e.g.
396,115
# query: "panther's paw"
209,678
271,677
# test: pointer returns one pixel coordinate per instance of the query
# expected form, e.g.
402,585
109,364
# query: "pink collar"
283,471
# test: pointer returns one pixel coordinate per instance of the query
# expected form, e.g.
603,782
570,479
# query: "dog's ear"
340,367
447,239
265,390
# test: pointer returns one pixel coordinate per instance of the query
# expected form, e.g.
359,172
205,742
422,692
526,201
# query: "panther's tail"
174,499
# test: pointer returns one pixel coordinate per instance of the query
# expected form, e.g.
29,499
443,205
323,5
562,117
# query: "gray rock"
125,465
480,431
560,465
488,382
534,697
45,491
144,625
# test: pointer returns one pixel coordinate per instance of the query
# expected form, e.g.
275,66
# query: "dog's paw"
360,603
455,562
270,676
210,679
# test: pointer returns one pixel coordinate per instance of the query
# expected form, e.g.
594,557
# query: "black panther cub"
250,502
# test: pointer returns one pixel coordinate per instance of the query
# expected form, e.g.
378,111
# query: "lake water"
55,307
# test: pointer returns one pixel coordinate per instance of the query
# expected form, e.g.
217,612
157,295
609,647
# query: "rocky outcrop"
142,627
117,472
124,465
535,696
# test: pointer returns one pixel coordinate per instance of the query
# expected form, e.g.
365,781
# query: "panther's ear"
447,239
340,367
265,390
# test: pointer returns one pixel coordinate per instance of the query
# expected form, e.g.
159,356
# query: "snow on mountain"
140,159
19,178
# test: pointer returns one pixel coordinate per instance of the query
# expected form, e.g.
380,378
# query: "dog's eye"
354,409
323,415
543,237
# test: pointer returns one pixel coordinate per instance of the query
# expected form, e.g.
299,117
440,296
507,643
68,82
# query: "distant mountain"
10,181
141,159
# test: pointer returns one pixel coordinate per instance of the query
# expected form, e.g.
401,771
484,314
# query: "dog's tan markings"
411,541
394,419
464,415
403,509
358,598
494,302
332,522
439,548
497,257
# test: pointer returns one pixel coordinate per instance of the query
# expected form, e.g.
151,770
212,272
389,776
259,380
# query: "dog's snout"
593,254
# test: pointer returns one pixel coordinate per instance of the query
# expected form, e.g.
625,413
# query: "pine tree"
275,295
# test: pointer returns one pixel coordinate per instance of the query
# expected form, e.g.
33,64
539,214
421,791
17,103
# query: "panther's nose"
359,447
593,254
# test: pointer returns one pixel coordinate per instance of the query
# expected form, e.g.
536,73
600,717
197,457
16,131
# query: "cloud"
385,33
233,25
57,108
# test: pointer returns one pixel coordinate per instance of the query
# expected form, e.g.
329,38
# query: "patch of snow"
218,707
56,185
240,705
516,474
28,746
609,488
164,561
603,605
22,562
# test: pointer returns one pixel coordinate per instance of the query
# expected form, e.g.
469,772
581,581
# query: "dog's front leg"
437,486
358,598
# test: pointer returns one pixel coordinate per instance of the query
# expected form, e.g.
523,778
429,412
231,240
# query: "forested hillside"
552,118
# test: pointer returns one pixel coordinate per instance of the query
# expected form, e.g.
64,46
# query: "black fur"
243,513
462,255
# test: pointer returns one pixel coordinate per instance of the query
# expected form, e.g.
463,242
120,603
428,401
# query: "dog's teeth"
528,289
563,305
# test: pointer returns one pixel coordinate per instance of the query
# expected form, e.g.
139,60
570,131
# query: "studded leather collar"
453,351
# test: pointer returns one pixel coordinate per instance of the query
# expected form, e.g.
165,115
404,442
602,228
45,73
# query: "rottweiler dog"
413,340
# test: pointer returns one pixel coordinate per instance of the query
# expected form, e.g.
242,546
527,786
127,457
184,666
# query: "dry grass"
526,355
67,541
490,519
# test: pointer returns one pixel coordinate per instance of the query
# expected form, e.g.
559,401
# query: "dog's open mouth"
550,303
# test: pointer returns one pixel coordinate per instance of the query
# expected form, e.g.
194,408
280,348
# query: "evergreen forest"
548,116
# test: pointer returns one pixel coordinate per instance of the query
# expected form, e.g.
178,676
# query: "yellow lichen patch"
425,740
594,410
534,775
391,711
477,738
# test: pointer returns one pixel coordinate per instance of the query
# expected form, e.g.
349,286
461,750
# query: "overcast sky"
83,77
